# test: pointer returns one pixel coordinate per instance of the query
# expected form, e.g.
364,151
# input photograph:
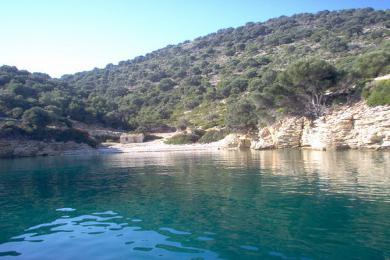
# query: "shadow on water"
197,205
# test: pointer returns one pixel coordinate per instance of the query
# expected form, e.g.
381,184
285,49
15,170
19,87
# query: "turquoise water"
222,205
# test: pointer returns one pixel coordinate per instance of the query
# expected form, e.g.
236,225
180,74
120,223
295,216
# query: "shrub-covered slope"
237,77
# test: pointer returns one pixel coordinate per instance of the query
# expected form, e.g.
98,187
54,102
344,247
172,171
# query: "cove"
281,204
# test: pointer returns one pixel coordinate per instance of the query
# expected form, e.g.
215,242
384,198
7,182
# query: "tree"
336,44
241,115
166,84
306,82
36,117
20,89
238,85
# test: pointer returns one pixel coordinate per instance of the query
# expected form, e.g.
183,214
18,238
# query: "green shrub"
378,94
213,136
182,124
36,117
166,84
11,130
183,139
72,134
107,138
141,130
199,132
372,64
241,115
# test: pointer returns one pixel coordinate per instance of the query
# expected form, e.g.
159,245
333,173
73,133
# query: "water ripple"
286,204
87,238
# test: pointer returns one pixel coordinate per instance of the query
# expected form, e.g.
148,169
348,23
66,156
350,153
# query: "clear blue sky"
66,36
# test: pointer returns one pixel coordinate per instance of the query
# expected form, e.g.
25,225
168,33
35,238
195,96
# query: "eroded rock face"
284,134
236,141
345,127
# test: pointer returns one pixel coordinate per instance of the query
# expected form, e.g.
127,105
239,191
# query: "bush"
11,130
141,130
182,124
241,115
191,104
198,132
378,94
238,85
372,64
213,136
166,84
36,117
336,44
183,139
75,135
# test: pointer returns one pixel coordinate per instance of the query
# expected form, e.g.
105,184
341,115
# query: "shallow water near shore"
286,204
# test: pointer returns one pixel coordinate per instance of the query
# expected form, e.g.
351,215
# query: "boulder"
230,141
131,138
244,142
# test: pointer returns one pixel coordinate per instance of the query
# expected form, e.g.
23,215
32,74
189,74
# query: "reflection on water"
364,173
232,205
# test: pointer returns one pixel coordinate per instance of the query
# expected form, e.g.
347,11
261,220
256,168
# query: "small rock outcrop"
236,141
131,138
286,133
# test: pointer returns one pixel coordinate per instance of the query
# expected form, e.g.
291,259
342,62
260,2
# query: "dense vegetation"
183,138
238,78
378,93
213,136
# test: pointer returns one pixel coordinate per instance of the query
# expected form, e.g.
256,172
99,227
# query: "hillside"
237,77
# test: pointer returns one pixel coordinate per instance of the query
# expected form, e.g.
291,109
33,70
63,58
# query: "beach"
157,146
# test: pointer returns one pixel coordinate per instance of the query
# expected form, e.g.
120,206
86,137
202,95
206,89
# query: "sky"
67,36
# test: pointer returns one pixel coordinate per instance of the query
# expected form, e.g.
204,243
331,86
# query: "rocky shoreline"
30,148
344,127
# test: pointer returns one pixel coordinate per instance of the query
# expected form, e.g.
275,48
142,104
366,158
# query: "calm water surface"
222,205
